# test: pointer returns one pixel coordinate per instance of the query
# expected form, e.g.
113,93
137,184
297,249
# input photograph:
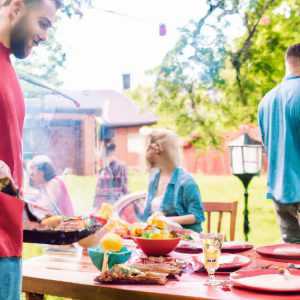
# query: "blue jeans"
10,278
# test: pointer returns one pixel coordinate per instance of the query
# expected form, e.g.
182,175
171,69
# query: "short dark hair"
47,169
44,164
58,3
293,51
110,145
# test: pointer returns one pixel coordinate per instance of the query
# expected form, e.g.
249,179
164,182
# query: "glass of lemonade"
211,246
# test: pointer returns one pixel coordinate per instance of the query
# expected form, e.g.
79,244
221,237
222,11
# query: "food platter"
57,237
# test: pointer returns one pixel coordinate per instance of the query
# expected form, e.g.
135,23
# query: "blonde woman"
172,190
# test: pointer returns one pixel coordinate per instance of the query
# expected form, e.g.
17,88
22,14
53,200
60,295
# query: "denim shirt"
279,122
182,197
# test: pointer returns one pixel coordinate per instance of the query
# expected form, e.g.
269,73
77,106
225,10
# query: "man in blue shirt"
172,190
279,122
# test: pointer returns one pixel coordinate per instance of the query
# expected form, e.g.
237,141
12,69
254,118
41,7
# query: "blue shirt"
182,197
279,122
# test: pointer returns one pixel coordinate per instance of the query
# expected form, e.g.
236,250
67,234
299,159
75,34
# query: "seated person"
172,190
49,190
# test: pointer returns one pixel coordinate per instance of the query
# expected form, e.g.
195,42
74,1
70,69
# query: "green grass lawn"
263,226
264,229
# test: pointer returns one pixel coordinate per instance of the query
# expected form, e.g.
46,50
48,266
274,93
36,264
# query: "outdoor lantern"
246,162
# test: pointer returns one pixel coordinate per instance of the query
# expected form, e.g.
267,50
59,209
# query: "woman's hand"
183,220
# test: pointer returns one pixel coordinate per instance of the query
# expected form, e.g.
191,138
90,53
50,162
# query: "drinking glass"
211,246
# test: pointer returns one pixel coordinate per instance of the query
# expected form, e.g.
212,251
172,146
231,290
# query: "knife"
293,266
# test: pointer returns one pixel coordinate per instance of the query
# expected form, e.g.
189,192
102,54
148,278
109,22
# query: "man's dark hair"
58,3
293,51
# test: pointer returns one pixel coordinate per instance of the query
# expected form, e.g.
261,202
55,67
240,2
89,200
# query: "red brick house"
217,162
69,135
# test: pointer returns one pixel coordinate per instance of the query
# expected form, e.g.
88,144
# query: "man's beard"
18,39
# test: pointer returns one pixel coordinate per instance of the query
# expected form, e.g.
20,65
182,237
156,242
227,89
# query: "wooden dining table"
73,276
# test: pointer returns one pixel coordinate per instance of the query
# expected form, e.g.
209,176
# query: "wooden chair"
221,207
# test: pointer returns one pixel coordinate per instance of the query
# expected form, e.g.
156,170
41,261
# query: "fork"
285,271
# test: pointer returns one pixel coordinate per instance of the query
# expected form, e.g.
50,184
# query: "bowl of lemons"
153,237
157,246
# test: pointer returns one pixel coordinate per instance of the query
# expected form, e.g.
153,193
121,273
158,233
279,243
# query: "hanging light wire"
123,15
162,26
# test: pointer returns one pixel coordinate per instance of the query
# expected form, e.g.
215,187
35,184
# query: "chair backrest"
129,206
220,208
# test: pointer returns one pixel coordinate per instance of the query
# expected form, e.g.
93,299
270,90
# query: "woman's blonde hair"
169,142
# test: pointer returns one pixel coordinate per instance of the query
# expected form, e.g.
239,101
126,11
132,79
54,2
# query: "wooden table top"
72,276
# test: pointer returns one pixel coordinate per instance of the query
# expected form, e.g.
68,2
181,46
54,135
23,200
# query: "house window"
136,143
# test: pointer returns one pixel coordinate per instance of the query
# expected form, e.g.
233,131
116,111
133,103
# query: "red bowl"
157,247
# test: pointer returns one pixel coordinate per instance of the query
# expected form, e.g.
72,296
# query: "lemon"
150,221
111,241
153,217
105,211
156,236
137,229
160,223
165,234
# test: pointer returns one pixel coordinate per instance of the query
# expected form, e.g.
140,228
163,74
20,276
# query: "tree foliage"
210,81
262,65
47,64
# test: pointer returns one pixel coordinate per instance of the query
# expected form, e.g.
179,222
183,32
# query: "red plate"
189,247
269,280
285,251
234,246
232,261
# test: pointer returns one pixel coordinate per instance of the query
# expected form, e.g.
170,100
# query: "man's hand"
7,184
52,222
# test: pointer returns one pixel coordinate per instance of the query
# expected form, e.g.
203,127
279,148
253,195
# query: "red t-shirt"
11,129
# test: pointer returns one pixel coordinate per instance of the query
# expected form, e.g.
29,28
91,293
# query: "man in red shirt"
23,25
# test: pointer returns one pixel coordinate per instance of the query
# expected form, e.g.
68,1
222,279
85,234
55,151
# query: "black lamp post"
246,162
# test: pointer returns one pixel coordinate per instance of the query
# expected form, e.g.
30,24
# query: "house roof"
234,137
114,108
238,137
